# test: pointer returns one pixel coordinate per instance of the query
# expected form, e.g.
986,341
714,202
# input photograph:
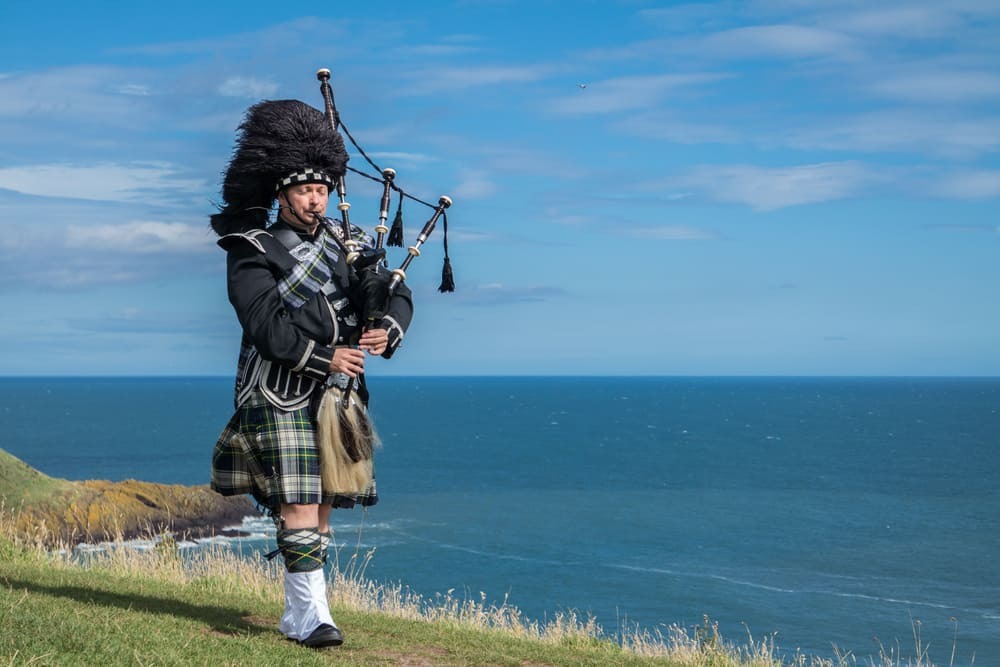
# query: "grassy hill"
19,482
63,511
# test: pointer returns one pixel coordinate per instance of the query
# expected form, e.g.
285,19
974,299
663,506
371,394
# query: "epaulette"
252,237
265,243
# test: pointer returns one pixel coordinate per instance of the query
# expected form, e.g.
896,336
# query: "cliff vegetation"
70,512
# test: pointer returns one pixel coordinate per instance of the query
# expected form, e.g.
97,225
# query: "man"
300,441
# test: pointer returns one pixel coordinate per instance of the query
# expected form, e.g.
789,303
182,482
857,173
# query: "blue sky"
728,188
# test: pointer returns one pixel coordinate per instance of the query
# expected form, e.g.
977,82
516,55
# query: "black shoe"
323,636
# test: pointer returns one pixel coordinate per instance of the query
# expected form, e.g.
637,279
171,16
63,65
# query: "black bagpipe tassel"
447,278
396,233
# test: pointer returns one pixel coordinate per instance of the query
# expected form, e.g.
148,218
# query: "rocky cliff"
70,512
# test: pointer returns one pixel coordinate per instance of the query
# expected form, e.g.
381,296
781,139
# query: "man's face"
307,199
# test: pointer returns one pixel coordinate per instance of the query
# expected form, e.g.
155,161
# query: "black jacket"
298,344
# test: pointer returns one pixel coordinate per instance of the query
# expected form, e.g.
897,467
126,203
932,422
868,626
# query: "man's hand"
348,361
374,341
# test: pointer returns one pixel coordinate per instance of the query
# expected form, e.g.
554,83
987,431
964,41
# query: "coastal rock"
70,512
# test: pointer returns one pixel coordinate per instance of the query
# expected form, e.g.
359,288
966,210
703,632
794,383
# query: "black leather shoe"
323,636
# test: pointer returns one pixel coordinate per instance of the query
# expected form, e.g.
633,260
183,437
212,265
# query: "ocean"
830,513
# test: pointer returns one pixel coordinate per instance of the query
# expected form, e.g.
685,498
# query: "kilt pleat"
272,455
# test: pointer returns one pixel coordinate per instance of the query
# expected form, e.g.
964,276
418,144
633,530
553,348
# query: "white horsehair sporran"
346,441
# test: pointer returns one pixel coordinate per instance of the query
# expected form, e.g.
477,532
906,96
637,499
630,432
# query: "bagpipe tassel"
396,233
447,277
345,440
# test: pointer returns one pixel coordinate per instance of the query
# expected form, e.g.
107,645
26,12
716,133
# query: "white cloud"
648,49
940,85
438,50
450,79
141,237
398,157
135,89
515,159
471,236
673,233
690,16
768,188
912,130
903,130
771,188
81,92
627,93
102,182
783,40
90,252
475,185
298,33
247,87
672,127
963,228
909,20
968,184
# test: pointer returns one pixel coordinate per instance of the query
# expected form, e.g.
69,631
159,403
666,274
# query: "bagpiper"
300,441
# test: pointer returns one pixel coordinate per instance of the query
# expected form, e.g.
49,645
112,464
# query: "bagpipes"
369,262
346,438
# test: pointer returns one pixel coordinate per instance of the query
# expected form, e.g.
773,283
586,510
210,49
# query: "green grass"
141,608
21,481
124,606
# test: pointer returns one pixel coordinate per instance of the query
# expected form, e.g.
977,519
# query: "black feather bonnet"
279,143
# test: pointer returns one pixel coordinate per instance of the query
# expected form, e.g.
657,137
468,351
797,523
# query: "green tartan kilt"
271,454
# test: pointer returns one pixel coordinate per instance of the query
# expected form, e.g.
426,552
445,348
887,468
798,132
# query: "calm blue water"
827,511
